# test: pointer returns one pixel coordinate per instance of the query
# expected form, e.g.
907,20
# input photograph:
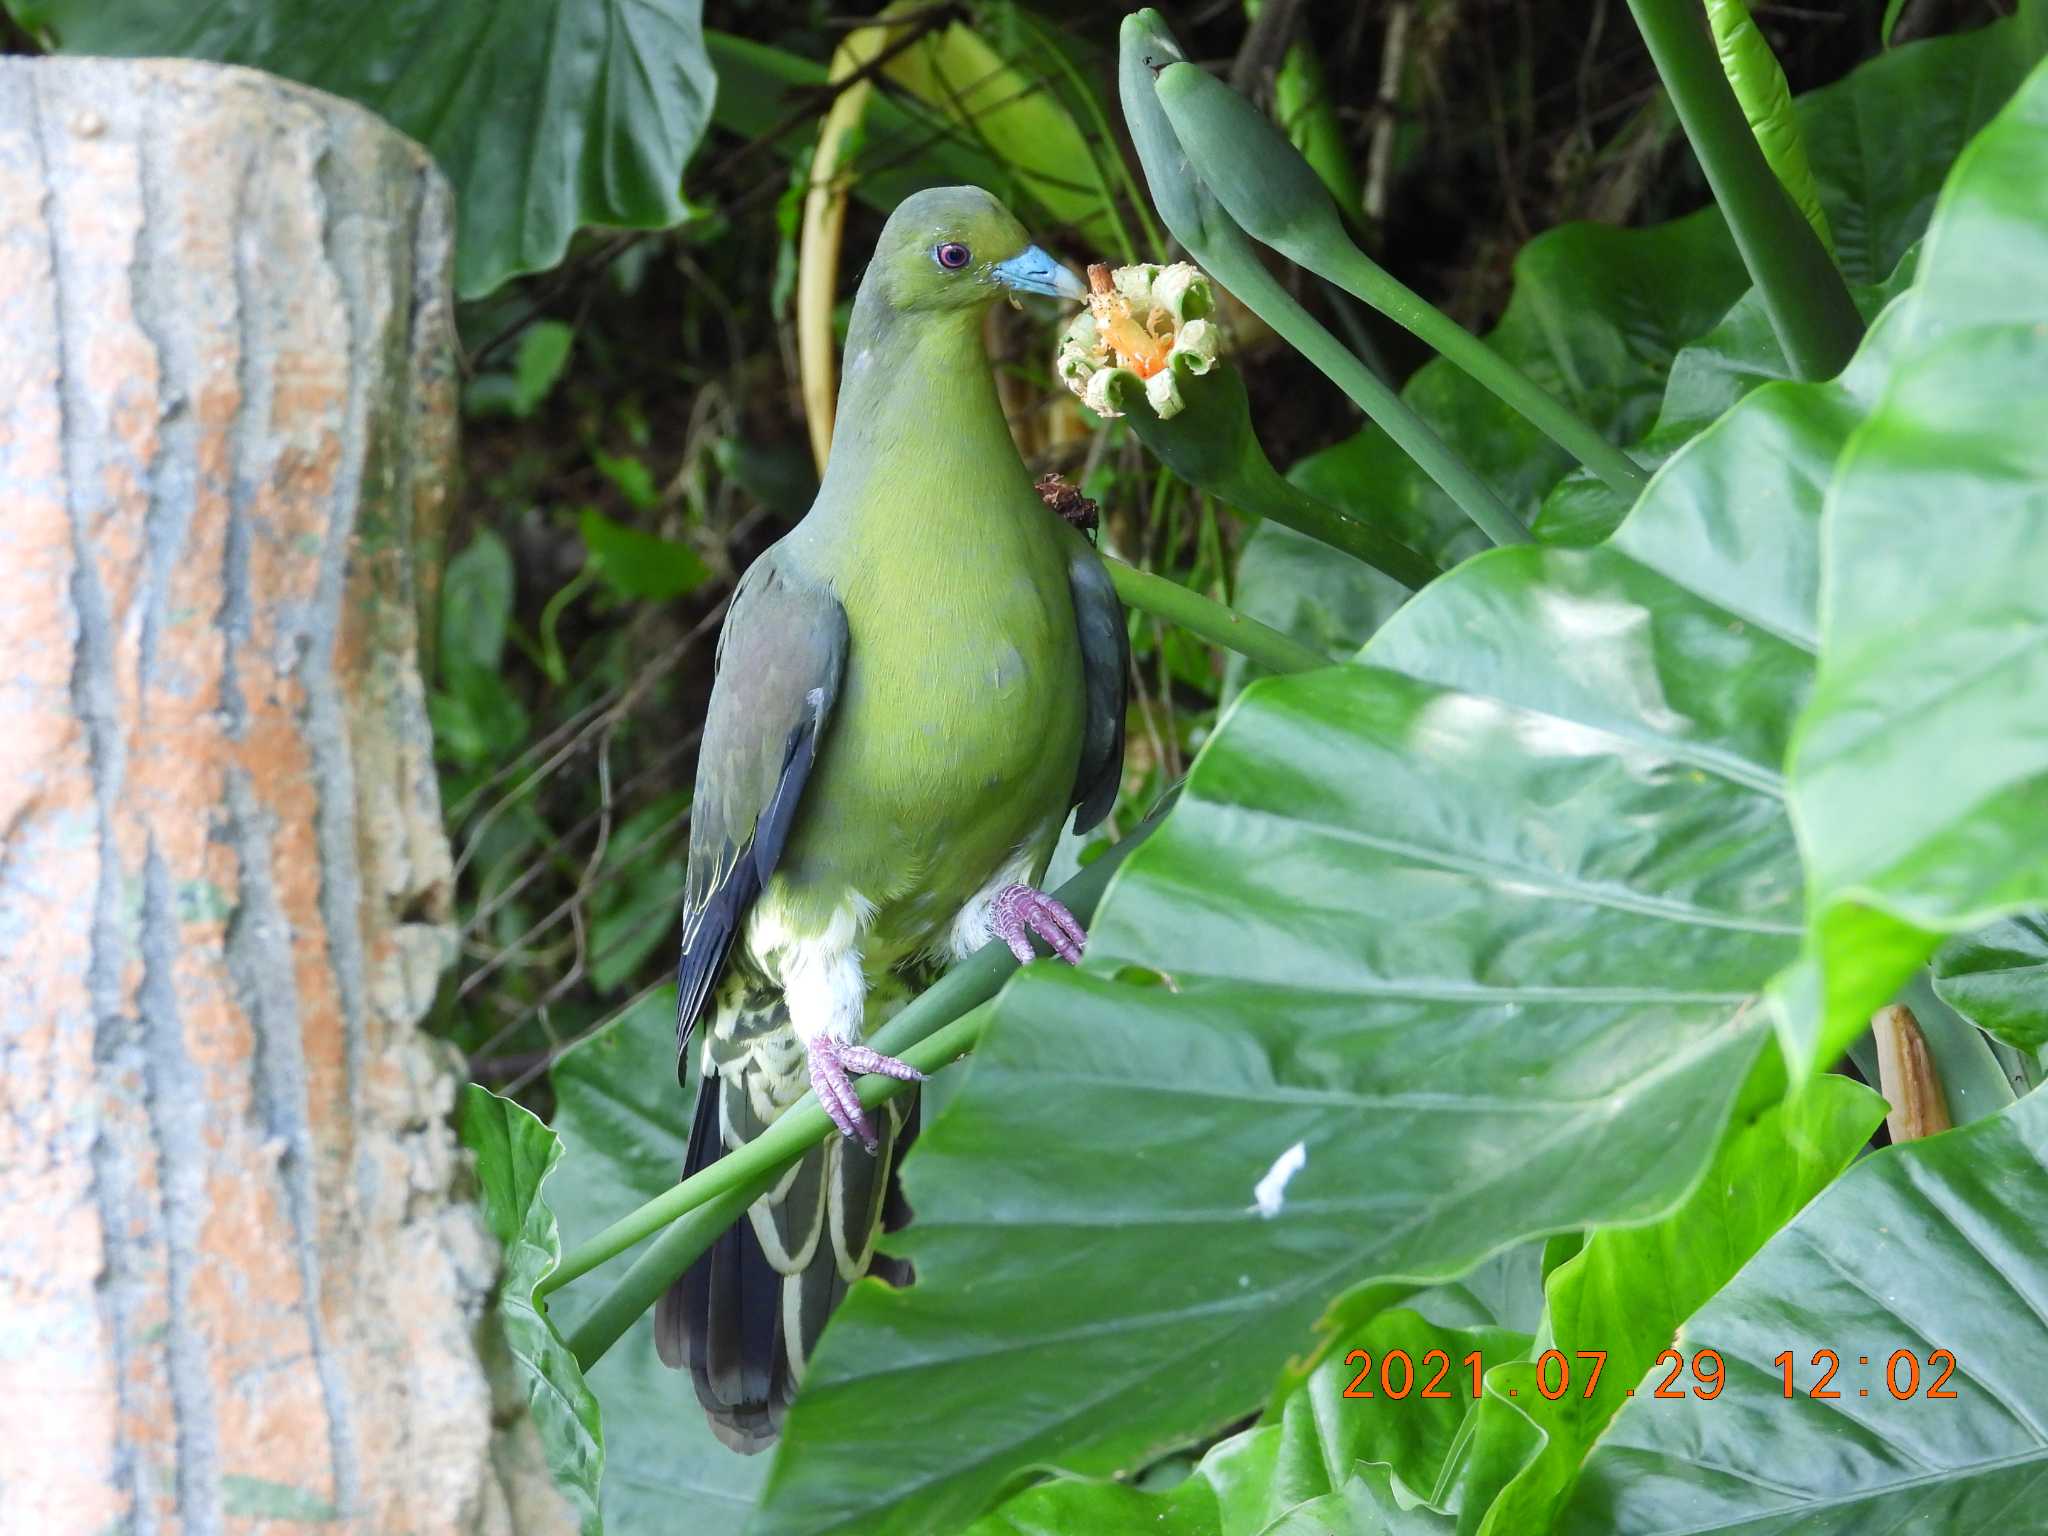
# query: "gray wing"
1105,668
780,658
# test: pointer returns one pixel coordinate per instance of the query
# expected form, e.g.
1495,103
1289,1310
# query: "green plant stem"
1230,259
966,986
1208,618
1219,246
1359,275
1808,303
1211,445
714,1198
1271,193
1273,495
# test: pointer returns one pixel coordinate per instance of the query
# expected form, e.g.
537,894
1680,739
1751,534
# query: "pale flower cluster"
1146,322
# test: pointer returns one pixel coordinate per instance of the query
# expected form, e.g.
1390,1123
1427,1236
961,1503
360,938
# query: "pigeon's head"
957,248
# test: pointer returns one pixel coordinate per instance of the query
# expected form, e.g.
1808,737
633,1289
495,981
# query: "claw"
1020,912
833,1068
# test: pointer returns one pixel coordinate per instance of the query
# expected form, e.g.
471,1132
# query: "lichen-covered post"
240,1287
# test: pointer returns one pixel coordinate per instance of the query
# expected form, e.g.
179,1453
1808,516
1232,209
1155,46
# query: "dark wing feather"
780,658
1106,667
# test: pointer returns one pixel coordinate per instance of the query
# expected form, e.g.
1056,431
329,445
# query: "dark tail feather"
729,1318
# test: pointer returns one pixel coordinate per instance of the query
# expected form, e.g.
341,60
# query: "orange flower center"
1136,348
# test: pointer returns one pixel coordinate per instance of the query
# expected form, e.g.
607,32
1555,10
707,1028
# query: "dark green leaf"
639,564
1067,1506
1881,141
1997,978
1879,169
477,719
546,114
624,1120
543,354
476,604
1707,378
1933,1246
630,474
514,1155
1596,319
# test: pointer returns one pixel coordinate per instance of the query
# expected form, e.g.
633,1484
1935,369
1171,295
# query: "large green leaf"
1707,378
1622,1297
545,114
1065,1506
624,1121
1997,978
1882,139
514,1155
1920,768
1933,1246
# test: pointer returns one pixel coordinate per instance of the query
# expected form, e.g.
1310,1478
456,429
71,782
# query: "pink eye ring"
952,255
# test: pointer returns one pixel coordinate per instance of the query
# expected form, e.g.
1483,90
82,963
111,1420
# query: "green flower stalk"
1274,195
1809,306
1192,213
1148,345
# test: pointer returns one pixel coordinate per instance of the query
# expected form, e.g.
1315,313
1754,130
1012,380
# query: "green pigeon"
914,686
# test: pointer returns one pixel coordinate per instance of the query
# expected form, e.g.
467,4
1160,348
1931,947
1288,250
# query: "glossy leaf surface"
1920,766
1920,1249
1997,978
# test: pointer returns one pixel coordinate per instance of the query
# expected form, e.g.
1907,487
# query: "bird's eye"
952,255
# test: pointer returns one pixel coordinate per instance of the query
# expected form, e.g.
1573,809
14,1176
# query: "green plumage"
914,687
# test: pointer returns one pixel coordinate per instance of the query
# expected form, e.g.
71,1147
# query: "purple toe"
1021,912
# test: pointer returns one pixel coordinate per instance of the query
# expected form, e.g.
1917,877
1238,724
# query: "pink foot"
1020,912
833,1067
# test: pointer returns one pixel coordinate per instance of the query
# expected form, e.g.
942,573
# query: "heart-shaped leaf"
1917,1286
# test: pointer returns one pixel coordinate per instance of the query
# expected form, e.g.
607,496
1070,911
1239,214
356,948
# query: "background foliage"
1541,922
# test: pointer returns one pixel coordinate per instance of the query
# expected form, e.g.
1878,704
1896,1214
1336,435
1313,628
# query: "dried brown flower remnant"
1065,499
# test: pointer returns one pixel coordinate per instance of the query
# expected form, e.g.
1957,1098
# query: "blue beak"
1035,272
